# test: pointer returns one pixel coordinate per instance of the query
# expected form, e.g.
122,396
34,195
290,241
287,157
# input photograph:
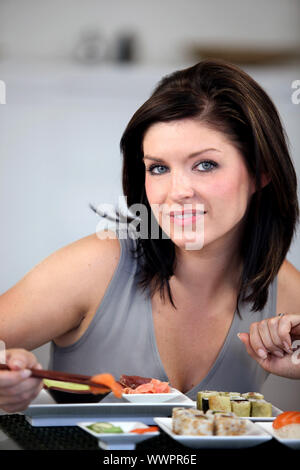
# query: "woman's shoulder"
288,288
87,265
98,254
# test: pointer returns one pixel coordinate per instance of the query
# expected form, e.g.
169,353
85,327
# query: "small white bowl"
151,397
119,441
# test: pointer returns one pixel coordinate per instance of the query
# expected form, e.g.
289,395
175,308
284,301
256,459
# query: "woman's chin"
188,242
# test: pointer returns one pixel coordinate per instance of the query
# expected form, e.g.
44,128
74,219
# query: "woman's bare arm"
53,297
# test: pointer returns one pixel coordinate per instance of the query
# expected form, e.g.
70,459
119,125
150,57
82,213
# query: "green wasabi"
105,428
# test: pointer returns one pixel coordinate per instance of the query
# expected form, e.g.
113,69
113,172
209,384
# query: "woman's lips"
185,218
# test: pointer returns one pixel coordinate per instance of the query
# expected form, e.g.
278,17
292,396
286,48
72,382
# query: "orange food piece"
109,383
154,386
285,418
143,430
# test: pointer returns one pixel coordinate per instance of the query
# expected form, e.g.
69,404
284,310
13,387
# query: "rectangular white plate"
53,414
255,436
293,443
275,412
124,441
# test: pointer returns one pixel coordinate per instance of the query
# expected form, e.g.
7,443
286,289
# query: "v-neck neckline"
203,383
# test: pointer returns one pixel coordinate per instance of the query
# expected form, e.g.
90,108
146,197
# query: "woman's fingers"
245,338
288,327
17,387
17,359
274,335
11,378
255,341
268,331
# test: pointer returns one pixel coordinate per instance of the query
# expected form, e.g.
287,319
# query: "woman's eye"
156,169
207,165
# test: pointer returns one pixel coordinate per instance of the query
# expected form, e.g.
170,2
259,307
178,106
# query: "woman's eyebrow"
191,155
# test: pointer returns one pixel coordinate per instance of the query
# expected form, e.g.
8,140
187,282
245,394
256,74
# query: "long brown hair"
227,99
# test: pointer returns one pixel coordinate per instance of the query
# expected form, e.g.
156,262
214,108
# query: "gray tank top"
121,340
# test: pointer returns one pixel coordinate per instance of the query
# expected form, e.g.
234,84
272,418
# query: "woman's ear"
265,179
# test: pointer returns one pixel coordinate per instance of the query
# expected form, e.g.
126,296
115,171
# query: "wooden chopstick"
61,376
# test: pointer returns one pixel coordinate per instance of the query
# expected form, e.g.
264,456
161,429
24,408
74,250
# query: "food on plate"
228,424
133,381
250,404
253,395
188,421
232,395
109,384
144,430
192,422
202,395
217,403
287,425
261,408
241,408
104,427
154,386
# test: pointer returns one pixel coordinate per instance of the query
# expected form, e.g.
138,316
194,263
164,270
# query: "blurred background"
75,72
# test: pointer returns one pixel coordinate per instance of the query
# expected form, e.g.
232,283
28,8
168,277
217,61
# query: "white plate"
151,397
123,441
275,412
293,443
255,436
43,412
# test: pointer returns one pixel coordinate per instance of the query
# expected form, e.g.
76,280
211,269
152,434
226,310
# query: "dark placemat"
72,438
30,437
46,438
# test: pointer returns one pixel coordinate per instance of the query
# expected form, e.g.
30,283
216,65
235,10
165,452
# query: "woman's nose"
180,187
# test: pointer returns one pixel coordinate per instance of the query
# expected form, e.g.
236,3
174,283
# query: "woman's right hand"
17,388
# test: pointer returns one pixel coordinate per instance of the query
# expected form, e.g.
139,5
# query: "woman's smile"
185,217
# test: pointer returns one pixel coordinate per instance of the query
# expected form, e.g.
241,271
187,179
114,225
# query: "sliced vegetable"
143,430
105,427
65,385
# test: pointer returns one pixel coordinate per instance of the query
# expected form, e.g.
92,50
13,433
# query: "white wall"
50,29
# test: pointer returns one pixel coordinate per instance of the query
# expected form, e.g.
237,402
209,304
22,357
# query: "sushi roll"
253,395
203,395
287,425
237,397
230,394
219,403
261,408
241,407
191,422
226,424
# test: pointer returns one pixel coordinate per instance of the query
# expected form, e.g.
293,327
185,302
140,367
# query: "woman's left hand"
273,343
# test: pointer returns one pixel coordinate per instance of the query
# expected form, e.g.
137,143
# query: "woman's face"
197,183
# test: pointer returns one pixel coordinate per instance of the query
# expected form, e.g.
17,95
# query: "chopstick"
62,376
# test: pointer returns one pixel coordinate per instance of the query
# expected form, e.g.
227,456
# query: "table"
17,434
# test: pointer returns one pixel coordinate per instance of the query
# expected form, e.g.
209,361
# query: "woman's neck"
211,272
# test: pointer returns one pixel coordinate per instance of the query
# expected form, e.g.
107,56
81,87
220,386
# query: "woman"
197,305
